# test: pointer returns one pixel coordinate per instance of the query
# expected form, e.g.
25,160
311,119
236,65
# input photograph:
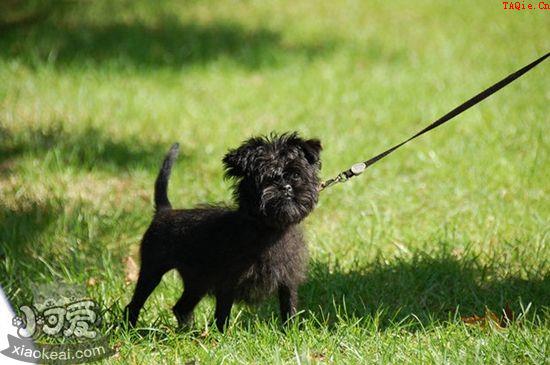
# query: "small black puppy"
244,253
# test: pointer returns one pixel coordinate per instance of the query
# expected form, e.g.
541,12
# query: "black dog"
243,253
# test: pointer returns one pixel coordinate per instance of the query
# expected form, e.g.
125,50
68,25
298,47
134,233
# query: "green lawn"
455,224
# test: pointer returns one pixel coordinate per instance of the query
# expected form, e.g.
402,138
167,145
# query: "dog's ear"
238,162
312,150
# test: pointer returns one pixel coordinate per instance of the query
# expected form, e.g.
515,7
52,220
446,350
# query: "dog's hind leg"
148,280
224,302
191,296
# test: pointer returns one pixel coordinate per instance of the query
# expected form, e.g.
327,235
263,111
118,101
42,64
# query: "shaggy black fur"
244,253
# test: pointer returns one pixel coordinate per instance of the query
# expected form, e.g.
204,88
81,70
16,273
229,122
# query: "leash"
359,168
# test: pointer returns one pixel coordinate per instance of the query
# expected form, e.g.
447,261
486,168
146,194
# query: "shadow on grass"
88,149
420,291
170,43
20,231
433,289
28,223
21,226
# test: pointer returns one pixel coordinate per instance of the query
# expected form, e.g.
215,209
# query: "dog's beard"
281,210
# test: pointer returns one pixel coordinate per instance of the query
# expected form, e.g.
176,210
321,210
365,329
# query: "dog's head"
276,177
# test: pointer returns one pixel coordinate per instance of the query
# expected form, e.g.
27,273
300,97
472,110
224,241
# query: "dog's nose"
288,189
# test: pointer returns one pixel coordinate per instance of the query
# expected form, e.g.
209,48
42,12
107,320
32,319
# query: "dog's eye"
295,176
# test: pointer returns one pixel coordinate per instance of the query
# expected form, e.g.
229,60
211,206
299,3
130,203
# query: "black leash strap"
358,168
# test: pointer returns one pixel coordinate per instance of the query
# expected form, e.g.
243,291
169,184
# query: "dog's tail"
161,184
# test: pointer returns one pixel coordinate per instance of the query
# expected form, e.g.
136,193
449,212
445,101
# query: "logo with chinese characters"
64,315
77,319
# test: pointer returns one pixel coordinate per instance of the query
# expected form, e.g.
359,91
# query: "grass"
454,225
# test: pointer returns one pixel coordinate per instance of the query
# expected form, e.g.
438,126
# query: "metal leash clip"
344,176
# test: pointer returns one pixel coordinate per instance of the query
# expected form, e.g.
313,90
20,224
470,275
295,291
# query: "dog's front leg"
288,301
224,302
